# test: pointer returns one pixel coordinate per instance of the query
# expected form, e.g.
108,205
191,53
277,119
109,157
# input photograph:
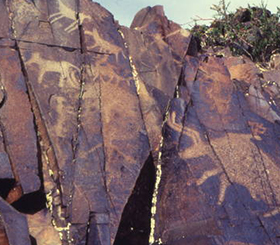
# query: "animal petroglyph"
68,72
198,147
244,164
66,12
103,45
219,99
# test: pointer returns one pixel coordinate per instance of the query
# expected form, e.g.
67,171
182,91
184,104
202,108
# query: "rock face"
116,135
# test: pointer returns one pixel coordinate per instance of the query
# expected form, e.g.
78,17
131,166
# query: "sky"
179,11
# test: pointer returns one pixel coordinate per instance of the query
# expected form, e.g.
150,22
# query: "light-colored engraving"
103,45
243,164
60,104
218,99
66,12
198,147
68,72
180,31
224,183
257,129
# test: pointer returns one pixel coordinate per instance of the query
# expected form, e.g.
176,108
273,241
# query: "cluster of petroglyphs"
257,129
66,12
238,168
69,73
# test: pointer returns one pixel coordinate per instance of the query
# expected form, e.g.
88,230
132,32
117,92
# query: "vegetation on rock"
253,31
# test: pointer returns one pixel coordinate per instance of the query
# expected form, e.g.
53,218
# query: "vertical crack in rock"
216,155
264,228
75,137
54,196
103,168
224,171
157,183
262,161
183,125
159,165
177,95
136,79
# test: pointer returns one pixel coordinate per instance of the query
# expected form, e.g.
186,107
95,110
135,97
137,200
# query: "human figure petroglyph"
66,12
238,166
68,72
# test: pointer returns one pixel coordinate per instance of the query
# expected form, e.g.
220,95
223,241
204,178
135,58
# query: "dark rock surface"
116,135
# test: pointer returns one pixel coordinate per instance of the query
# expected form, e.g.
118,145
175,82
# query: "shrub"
253,31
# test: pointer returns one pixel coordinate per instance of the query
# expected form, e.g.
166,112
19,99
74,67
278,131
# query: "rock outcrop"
116,135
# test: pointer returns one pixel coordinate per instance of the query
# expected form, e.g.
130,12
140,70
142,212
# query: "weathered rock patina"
117,135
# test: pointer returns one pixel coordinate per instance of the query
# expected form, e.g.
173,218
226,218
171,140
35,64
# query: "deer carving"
66,12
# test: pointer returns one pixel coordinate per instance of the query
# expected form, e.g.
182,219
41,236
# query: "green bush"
252,31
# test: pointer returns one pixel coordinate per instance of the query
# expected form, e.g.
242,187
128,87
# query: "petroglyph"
246,167
219,98
69,74
66,12
257,129
59,103
198,147
102,45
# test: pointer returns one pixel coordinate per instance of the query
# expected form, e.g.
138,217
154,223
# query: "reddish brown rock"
17,125
16,229
102,114
218,144
152,20
156,75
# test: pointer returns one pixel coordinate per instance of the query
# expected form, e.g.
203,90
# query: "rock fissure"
157,183
261,157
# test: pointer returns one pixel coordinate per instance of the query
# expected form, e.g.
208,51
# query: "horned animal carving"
66,12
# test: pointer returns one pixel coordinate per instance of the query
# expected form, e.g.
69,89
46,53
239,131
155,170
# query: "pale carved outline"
66,12
201,147
66,70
